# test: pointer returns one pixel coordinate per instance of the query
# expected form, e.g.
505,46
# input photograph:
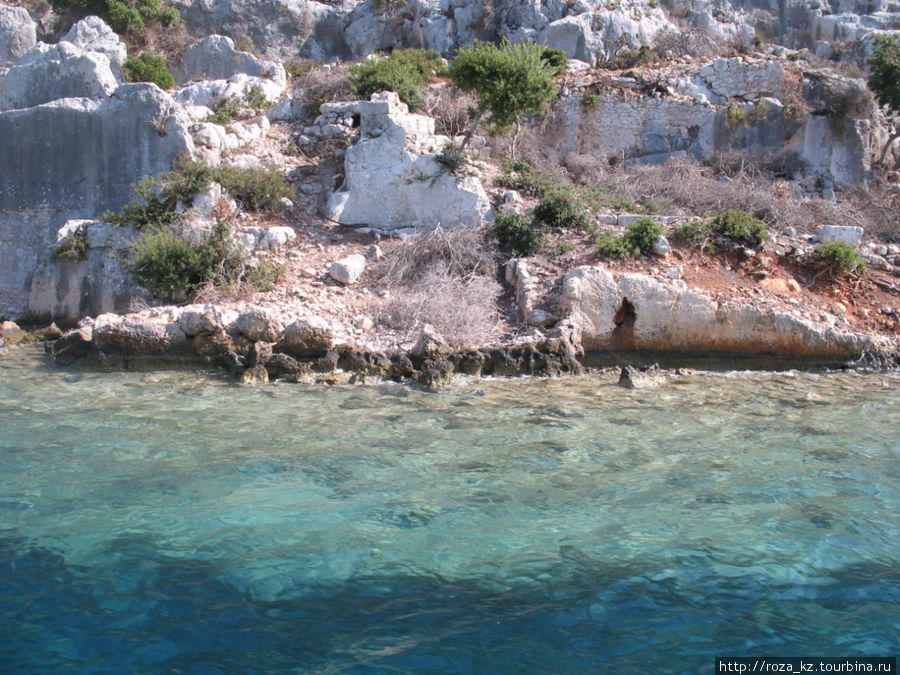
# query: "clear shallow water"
169,522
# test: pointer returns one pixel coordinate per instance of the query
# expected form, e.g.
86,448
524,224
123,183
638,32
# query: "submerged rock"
641,378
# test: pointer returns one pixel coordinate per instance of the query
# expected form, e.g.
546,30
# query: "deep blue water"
169,522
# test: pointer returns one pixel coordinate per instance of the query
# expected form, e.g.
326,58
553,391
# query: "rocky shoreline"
601,319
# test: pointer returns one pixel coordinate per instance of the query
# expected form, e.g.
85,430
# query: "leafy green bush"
73,248
256,99
153,207
556,59
149,67
130,18
225,110
590,101
173,268
520,175
403,72
562,207
740,226
631,58
735,116
188,178
509,81
694,232
840,257
517,232
255,189
635,243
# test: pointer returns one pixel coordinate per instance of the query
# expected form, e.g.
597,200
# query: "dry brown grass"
446,278
321,84
690,187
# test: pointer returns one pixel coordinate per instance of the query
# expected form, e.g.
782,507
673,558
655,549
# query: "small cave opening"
357,121
623,334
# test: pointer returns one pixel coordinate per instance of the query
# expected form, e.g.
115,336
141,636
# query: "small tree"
885,82
509,80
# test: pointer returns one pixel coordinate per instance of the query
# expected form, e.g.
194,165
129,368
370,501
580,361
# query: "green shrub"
735,116
740,226
637,241
403,72
256,99
73,248
556,59
695,232
255,189
520,175
518,233
562,207
225,110
153,207
840,257
130,18
188,178
590,101
173,268
510,81
149,67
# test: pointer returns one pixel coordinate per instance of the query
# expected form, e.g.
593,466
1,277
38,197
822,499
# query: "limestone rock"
574,35
209,93
661,246
430,344
842,233
51,173
199,319
215,58
635,312
392,177
63,290
348,270
307,336
135,334
255,324
92,34
18,34
51,72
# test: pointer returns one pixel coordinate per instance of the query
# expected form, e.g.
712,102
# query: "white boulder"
348,270
393,179
52,72
92,34
17,34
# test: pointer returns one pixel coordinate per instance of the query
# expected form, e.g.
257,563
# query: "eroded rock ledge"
631,313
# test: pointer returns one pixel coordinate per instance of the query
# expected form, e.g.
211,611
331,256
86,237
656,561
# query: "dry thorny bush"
450,109
323,84
692,187
445,278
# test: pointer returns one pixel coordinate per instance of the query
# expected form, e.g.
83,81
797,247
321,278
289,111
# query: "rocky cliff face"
588,30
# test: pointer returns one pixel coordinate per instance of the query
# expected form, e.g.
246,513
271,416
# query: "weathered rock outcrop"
92,34
52,72
18,34
215,58
655,129
636,312
66,290
76,158
392,175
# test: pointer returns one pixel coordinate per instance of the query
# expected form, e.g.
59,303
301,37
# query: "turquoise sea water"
170,522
